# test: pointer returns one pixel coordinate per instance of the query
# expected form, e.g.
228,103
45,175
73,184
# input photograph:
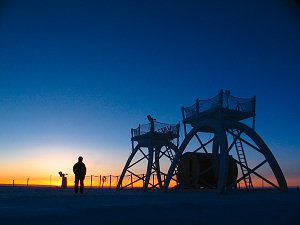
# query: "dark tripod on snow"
63,179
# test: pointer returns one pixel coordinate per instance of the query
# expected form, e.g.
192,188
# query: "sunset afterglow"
76,77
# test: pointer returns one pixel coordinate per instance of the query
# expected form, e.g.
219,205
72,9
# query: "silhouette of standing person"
79,170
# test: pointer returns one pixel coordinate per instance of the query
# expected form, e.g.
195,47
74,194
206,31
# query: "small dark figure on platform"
79,170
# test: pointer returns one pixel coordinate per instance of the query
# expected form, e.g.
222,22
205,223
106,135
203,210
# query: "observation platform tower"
154,142
216,128
221,107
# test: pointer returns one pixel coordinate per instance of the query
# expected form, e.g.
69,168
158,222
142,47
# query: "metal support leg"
149,167
127,165
224,160
157,167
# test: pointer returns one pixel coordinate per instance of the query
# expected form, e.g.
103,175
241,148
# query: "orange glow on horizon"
43,166
56,182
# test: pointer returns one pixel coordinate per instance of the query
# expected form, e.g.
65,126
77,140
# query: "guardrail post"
132,143
227,93
221,98
183,118
221,104
178,127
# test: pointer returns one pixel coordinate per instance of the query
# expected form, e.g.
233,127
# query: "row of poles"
102,180
27,182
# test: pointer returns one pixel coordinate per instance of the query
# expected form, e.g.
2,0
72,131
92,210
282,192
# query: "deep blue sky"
82,73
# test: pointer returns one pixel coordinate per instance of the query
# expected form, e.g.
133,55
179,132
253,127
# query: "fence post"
99,181
153,180
143,180
27,182
13,183
131,181
109,181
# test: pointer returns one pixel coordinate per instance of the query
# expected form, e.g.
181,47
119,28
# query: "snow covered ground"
37,205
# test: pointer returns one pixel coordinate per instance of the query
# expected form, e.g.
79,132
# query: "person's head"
80,159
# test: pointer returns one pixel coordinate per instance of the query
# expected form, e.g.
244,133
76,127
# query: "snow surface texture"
41,206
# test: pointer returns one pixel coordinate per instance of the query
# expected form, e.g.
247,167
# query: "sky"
75,76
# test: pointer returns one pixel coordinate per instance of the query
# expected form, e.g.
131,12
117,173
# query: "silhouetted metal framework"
220,117
156,141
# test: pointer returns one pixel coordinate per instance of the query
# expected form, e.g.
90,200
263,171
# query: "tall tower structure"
228,140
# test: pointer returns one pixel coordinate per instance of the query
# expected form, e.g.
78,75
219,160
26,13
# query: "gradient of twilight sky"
75,76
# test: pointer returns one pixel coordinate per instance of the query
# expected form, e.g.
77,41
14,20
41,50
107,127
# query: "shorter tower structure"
155,142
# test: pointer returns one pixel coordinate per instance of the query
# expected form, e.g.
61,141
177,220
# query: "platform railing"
220,101
161,128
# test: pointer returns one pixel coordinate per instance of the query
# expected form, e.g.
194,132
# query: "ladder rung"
242,159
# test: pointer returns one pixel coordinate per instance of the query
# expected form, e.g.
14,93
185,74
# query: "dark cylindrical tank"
194,171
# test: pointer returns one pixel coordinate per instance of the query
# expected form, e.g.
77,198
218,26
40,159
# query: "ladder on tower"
242,159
